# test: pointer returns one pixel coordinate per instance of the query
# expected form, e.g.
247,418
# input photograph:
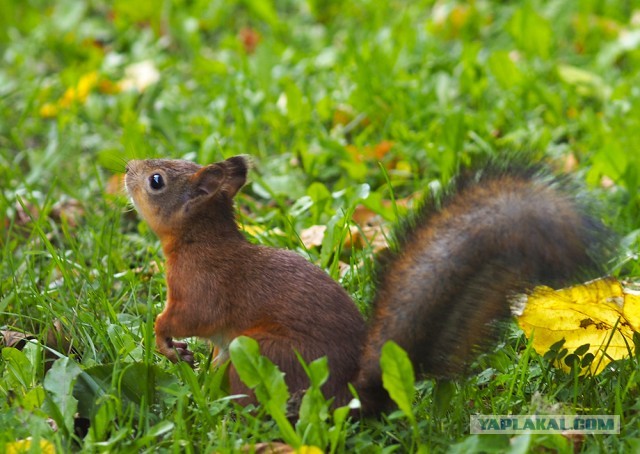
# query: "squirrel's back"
458,262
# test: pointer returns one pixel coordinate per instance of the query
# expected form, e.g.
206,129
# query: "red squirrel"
458,261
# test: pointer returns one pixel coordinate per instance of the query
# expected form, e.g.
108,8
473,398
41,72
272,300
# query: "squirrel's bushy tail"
460,259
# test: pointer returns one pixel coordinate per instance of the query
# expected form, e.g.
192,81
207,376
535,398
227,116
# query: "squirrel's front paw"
183,353
176,351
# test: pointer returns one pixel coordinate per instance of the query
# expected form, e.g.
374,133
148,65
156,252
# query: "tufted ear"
235,174
226,177
208,180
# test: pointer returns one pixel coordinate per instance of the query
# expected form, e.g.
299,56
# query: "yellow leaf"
86,83
309,450
254,230
584,314
20,446
81,91
48,110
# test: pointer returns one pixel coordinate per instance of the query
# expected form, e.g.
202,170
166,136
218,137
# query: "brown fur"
437,298
441,294
220,286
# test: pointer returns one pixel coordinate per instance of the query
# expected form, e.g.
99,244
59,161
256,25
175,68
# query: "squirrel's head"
168,193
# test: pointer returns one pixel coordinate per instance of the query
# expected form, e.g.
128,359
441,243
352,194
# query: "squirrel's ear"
226,176
209,179
235,174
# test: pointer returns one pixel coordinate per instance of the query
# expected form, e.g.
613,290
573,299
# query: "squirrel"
458,261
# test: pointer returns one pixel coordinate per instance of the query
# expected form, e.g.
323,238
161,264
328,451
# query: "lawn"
350,111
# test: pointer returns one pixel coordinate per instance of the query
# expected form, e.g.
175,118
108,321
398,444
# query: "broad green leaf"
245,356
337,436
398,377
505,70
59,383
586,82
318,371
266,380
265,10
531,31
321,198
297,107
20,370
314,408
67,14
137,383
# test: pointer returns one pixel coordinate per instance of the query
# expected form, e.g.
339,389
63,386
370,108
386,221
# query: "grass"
340,104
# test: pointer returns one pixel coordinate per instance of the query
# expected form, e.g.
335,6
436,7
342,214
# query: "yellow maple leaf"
26,445
49,110
80,91
599,313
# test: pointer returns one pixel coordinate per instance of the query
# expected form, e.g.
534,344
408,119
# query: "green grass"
329,83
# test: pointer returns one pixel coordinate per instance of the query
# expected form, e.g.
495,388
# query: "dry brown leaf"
374,236
375,152
25,211
70,210
269,448
148,271
570,163
313,236
606,182
58,339
250,39
273,447
14,339
576,439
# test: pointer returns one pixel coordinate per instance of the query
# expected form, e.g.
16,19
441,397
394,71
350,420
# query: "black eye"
156,181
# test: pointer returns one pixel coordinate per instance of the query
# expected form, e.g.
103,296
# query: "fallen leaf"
24,212
346,116
576,440
313,236
448,20
382,148
76,94
108,87
374,236
607,183
570,163
14,339
70,210
581,315
148,271
280,448
370,152
269,448
49,110
80,91
343,115
250,39
26,445
58,339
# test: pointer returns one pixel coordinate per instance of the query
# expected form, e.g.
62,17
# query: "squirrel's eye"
156,181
